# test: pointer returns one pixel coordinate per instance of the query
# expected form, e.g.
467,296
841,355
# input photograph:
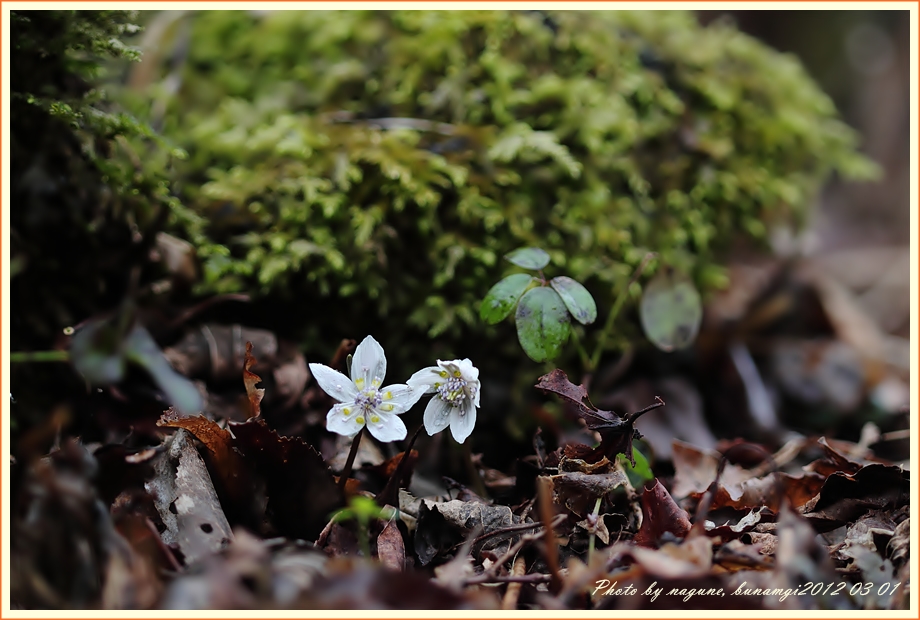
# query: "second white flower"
456,384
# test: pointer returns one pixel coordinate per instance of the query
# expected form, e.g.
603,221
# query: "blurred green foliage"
375,165
368,169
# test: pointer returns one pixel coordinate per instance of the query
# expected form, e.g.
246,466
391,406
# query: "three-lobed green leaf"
542,321
671,311
501,298
576,298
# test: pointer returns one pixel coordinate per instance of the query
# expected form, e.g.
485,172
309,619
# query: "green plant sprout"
363,510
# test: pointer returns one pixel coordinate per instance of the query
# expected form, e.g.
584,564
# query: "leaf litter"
232,514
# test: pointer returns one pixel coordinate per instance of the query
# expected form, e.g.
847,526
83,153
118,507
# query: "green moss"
372,167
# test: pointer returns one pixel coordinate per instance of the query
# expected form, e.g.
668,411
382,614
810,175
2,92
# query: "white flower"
457,385
362,401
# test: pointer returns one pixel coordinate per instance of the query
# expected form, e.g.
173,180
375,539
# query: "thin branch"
510,600
545,498
632,417
531,578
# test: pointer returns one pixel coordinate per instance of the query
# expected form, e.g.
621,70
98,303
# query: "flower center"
453,391
368,399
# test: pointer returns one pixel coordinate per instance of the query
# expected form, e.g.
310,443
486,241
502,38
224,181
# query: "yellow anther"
457,373
387,407
387,395
443,373
359,382
346,411
375,419
375,383
359,420
437,385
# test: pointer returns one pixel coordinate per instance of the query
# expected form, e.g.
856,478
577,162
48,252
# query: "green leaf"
501,298
671,311
576,298
141,348
542,323
641,473
529,258
100,354
96,353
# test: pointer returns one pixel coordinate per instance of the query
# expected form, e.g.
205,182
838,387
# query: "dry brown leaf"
660,514
579,492
249,380
391,550
187,502
233,477
617,431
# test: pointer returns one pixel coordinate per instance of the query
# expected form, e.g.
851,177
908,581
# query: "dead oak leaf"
233,477
302,491
660,514
617,431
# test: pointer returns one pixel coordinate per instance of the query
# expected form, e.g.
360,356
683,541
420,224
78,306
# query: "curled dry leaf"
187,503
250,379
660,514
844,498
391,549
617,432
233,477
579,492
739,488
899,545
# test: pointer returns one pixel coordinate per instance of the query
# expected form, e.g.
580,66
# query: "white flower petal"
437,416
343,419
368,364
467,370
334,383
425,379
400,396
476,395
462,425
388,427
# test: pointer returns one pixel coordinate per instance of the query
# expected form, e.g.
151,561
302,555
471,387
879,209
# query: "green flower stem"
364,541
346,471
582,353
614,312
39,356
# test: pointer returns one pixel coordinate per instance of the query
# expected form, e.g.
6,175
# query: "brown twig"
545,498
197,309
516,547
632,417
510,600
390,492
531,578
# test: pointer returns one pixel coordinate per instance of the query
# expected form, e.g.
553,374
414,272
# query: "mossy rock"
371,168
